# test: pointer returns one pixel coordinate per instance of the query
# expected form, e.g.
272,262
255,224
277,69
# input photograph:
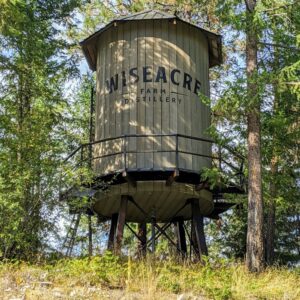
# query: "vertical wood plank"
111,114
199,104
188,97
108,75
207,93
118,98
133,123
180,59
157,87
173,57
149,60
125,67
194,98
96,148
104,91
126,89
141,105
165,105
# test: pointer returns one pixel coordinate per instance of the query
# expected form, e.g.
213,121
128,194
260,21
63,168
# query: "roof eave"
213,61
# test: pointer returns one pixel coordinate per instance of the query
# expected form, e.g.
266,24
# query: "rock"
57,294
72,294
190,296
45,283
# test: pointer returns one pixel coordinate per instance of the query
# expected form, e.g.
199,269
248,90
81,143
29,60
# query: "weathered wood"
157,105
180,65
188,99
141,106
172,178
143,74
112,232
181,240
193,243
198,227
202,185
119,102
149,92
129,179
142,234
153,223
173,89
167,199
125,61
133,89
120,224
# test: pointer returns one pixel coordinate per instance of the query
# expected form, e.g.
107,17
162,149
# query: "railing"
227,160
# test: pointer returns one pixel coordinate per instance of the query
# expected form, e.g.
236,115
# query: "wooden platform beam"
202,186
198,236
172,178
129,179
120,224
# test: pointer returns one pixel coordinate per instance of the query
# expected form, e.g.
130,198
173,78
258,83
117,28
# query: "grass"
108,277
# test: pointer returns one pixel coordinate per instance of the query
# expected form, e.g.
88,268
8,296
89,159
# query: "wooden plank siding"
149,63
141,106
133,60
157,105
154,107
172,42
165,158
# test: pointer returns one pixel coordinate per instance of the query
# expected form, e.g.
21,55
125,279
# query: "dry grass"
108,277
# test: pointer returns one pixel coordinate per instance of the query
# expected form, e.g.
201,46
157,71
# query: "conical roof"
89,44
147,15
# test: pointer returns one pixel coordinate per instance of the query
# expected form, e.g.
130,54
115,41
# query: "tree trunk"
90,236
270,226
255,240
270,231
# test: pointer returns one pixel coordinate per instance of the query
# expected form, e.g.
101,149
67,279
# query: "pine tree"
34,67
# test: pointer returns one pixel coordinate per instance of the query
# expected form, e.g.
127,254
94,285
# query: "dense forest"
45,93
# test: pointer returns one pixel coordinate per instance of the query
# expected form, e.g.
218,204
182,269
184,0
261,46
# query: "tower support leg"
153,223
198,235
142,234
181,240
112,232
120,224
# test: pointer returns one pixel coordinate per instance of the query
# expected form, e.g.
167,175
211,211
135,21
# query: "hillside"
108,277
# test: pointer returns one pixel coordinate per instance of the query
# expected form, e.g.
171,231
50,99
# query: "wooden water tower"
150,142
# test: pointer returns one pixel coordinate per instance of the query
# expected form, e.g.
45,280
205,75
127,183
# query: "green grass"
149,278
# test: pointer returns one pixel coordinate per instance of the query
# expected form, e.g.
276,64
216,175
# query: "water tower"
151,141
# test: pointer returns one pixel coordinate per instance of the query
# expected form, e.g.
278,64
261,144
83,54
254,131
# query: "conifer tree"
34,66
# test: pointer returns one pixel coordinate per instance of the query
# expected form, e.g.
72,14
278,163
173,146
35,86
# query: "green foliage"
213,176
34,68
105,270
228,235
221,279
278,95
41,121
